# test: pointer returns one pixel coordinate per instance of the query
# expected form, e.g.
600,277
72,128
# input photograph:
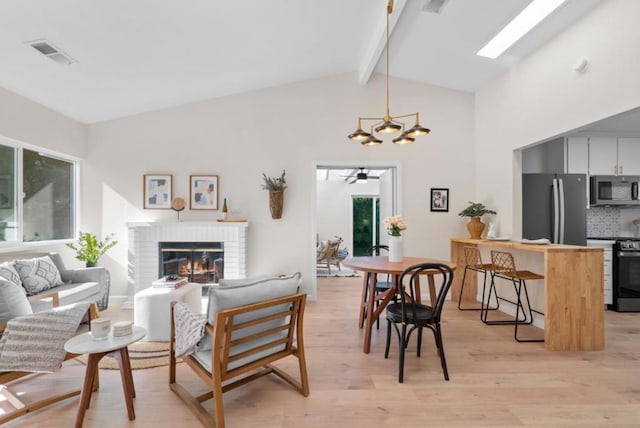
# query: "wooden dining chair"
412,315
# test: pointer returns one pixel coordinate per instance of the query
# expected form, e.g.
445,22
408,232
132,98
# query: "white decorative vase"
396,249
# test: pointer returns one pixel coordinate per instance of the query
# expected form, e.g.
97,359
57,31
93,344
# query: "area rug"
143,355
323,272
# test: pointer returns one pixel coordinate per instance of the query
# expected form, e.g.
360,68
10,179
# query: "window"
8,209
47,184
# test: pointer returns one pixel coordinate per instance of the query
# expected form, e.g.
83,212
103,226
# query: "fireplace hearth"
201,262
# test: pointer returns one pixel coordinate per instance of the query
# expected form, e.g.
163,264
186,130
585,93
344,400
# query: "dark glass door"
366,218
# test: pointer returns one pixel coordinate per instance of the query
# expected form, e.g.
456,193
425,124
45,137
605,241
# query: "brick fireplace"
145,239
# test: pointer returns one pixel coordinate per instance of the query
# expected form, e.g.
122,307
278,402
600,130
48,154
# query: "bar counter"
573,290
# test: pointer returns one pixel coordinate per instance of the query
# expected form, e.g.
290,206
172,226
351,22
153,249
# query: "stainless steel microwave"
614,190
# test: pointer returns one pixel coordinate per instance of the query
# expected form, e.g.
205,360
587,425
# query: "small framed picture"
439,200
157,191
203,192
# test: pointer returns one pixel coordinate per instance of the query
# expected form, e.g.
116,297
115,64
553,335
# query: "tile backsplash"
612,221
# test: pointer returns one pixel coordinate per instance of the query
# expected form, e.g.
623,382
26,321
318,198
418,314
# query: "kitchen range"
625,273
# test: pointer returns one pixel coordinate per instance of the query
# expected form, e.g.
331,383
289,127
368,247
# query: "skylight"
531,16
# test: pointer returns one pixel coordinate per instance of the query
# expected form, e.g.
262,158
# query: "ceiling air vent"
434,6
47,49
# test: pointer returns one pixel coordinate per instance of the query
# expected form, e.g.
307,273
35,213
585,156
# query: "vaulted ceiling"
143,55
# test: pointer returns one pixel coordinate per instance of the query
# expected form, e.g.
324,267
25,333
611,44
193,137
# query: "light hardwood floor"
494,380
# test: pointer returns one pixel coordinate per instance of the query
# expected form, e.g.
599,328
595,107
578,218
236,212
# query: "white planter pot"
396,249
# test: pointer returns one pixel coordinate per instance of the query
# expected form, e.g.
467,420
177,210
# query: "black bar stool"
504,267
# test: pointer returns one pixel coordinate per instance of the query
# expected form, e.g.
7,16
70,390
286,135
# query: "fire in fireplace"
201,262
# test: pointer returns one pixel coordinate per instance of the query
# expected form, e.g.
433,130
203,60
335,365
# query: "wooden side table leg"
122,355
87,386
127,365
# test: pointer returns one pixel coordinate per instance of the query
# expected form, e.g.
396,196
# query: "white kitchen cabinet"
577,155
607,246
628,156
603,156
610,155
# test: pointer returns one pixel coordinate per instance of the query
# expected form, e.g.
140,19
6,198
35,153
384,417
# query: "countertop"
517,245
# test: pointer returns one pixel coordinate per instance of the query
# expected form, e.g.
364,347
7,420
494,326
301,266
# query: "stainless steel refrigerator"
554,206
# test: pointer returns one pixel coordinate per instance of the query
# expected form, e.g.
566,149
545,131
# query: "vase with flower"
395,225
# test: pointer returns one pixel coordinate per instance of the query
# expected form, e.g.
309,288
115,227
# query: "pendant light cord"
389,10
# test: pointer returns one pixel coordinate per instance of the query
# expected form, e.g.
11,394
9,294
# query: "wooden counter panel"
574,314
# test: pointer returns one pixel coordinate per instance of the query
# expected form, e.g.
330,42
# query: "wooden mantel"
573,290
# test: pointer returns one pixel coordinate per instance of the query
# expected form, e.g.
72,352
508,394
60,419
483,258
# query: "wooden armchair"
329,254
248,327
10,376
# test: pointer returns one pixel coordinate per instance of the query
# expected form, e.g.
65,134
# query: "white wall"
29,122
288,127
542,97
544,158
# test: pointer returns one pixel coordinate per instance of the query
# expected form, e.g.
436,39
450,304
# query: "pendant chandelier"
388,124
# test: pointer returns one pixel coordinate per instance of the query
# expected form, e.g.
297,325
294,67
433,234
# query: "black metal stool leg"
502,322
515,330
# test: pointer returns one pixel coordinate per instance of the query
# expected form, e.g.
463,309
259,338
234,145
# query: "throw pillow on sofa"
38,274
8,272
13,302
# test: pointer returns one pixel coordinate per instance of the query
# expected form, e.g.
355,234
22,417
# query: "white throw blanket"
35,343
189,327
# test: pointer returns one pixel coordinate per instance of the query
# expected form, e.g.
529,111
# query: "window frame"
19,148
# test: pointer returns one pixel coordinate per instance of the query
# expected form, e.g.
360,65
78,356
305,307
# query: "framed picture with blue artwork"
157,191
203,192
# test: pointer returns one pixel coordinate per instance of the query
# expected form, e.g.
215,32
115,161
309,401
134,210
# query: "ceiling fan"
360,177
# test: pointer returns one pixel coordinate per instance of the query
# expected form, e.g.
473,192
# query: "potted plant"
475,210
89,249
276,187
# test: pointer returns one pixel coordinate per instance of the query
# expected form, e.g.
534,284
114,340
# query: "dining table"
371,266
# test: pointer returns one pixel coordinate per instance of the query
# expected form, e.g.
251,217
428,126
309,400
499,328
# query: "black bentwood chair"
410,313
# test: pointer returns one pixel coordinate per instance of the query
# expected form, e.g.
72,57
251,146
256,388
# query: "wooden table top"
381,264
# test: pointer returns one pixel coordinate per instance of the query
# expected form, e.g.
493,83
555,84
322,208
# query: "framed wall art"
203,192
157,191
439,200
